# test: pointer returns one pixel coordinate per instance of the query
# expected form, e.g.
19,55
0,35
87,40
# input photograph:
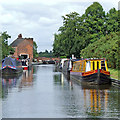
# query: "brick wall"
25,47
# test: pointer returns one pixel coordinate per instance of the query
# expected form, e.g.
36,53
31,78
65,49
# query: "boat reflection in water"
27,78
16,81
96,99
8,82
60,79
83,100
42,91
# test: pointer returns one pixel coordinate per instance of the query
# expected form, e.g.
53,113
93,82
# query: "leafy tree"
35,54
112,21
5,48
93,32
77,32
94,21
58,49
46,54
64,41
46,51
106,47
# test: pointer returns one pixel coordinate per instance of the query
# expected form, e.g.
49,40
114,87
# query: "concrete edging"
115,82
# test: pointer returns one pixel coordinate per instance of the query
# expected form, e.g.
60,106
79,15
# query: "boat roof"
9,61
91,59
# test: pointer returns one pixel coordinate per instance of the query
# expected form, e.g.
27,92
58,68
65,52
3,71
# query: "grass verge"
113,73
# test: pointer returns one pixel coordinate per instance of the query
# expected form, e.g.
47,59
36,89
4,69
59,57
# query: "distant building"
23,47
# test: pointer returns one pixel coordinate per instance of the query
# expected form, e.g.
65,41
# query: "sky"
41,19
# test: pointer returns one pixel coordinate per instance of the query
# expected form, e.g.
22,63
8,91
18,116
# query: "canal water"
43,92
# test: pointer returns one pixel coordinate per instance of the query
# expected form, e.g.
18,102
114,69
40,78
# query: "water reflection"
79,100
18,81
98,101
60,79
27,79
8,82
43,92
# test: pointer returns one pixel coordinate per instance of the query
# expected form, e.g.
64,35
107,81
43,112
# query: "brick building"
23,46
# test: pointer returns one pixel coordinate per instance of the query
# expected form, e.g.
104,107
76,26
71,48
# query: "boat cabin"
23,56
62,61
89,65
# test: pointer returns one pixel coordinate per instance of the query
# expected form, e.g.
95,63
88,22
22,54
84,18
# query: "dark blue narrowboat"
11,66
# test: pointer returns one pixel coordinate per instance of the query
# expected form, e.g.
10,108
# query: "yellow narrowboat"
93,71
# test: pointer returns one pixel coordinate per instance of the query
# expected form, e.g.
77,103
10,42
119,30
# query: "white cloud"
46,21
40,19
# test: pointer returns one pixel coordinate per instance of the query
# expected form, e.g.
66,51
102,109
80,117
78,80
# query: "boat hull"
25,67
97,77
10,71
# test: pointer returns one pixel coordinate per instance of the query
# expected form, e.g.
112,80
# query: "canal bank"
114,74
43,92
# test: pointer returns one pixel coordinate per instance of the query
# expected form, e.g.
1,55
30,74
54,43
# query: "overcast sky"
40,19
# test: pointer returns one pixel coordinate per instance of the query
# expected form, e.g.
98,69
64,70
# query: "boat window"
97,64
80,67
3,61
24,63
74,66
77,67
83,66
88,66
103,65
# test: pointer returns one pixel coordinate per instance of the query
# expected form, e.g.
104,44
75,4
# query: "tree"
79,32
94,21
58,47
35,54
112,21
64,41
106,47
5,48
46,54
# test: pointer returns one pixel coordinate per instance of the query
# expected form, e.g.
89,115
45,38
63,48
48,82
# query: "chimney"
20,36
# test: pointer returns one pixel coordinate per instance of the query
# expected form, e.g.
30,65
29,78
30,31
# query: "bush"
105,47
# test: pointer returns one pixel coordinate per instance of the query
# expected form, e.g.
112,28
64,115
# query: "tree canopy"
105,47
35,53
79,32
6,49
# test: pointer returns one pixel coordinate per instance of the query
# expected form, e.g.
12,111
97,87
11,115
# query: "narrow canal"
43,92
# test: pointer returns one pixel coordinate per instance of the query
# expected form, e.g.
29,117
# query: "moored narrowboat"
92,71
11,66
60,64
26,63
67,66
